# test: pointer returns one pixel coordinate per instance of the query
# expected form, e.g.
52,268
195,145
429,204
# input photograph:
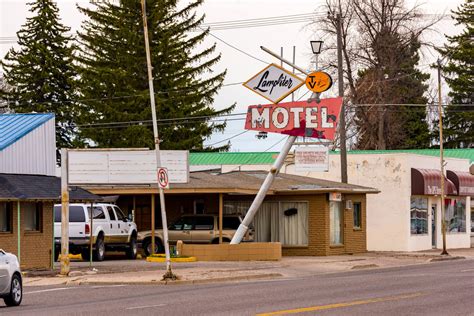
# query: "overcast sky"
240,67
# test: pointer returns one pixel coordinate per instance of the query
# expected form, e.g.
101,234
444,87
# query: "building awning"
464,182
428,182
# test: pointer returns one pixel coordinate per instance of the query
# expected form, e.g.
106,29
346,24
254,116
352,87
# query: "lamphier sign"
274,83
308,119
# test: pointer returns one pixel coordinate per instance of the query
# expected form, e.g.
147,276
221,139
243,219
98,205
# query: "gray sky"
240,67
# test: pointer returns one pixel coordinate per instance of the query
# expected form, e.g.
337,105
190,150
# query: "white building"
406,214
27,144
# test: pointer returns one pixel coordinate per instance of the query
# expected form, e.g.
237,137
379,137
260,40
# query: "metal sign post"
169,274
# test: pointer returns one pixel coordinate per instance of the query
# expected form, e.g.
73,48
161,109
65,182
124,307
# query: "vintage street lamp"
316,46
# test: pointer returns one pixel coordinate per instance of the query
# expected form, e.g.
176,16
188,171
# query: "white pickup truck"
111,230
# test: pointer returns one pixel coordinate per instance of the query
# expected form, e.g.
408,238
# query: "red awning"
428,182
464,182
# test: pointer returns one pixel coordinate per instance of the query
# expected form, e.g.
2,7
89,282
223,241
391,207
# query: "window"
97,212
455,215
199,206
5,217
472,220
357,213
335,222
119,213
204,223
418,215
230,222
184,223
111,213
76,214
32,215
286,222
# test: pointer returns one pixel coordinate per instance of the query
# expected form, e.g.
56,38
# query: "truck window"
204,223
97,212
119,213
111,213
76,214
230,222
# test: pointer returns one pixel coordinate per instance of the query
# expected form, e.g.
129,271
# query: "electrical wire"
227,139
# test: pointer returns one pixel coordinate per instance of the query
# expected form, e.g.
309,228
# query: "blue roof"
15,126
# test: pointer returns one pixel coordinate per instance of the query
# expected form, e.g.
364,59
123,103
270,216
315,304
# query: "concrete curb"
447,258
179,282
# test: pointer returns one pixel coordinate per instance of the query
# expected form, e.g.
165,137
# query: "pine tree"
40,74
458,121
113,75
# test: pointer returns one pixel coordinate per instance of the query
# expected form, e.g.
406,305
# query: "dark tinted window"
97,213
230,223
204,223
76,214
111,213
185,223
119,213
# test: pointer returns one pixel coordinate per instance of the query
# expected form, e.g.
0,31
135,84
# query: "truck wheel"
132,248
16,292
147,246
99,252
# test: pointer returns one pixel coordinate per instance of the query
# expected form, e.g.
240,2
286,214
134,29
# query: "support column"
221,211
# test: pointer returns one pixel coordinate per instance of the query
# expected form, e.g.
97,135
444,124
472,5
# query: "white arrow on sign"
163,180
274,83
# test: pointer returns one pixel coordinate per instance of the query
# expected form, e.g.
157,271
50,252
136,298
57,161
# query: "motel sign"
307,119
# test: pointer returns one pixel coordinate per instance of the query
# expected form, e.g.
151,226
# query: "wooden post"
221,211
64,213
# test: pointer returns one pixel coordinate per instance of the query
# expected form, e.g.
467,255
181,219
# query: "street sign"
163,179
318,81
308,119
274,83
309,159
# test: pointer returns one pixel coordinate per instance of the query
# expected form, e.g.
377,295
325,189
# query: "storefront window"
357,210
419,216
455,215
335,221
32,215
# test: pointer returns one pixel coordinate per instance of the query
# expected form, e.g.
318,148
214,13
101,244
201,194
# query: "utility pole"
64,213
340,81
440,116
169,274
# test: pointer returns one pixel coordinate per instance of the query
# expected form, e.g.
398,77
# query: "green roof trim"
232,158
257,158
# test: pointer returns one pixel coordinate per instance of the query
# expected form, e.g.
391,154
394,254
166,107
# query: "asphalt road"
442,288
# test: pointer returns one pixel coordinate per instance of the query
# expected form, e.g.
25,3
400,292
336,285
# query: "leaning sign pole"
169,274
295,119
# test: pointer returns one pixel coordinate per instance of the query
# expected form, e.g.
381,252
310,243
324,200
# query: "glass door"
433,224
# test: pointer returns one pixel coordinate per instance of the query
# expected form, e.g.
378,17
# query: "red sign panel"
308,119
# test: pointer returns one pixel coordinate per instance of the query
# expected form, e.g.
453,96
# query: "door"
113,236
4,277
181,230
122,225
433,225
472,224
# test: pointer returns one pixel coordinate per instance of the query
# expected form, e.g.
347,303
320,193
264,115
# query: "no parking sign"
163,180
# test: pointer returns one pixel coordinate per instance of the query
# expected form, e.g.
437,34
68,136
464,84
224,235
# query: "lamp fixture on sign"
316,46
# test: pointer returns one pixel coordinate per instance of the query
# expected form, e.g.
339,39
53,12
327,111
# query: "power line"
227,139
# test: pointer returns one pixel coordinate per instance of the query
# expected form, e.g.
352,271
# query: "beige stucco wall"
388,213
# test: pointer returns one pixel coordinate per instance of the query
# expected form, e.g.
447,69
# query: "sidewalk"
142,272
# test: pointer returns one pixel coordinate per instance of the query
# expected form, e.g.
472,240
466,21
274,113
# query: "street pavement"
437,288
121,271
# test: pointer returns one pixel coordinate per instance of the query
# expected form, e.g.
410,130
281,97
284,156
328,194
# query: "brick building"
26,216
309,217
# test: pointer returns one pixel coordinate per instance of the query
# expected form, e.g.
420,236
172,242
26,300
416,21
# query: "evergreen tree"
458,121
113,75
40,74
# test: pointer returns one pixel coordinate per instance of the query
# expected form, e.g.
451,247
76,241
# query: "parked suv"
11,287
197,229
111,230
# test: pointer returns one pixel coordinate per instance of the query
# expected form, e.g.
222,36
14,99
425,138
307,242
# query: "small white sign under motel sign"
308,159
274,83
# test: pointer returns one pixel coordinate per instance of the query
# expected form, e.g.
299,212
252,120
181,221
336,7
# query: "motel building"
406,214
308,216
